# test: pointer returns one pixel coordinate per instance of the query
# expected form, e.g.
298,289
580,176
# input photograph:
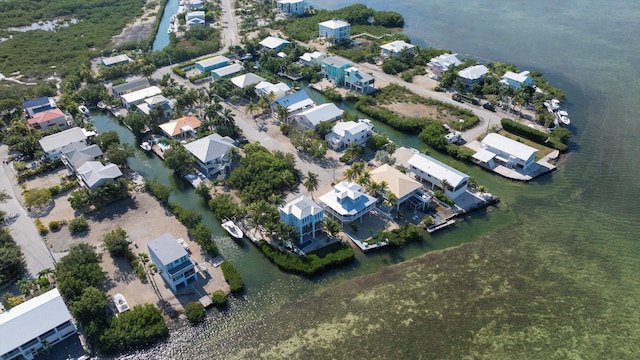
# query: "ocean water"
552,273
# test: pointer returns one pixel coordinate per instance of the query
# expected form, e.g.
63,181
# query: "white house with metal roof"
314,58
394,48
212,153
94,174
195,19
295,103
517,80
137,97
312,117
273,43
172,260
227,71
305,215
291,7
335,30
245,80
502,150
25,328
279,90
439,64
116,60
128,87
473,74
52,144
436,174
157,101
346,133
347,202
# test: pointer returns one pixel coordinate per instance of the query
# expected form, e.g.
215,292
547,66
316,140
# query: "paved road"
36,255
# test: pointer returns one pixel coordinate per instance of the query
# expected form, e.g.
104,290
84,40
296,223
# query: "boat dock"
295,77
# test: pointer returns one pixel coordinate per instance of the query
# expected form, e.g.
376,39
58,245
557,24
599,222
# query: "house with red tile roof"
48,119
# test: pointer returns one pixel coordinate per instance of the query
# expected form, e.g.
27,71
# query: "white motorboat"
101,105
233,229
563,117
121,303
84,110
145,146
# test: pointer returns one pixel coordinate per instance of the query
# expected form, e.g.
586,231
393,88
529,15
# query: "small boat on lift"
145,146
563,117
232,229
102,106
84,110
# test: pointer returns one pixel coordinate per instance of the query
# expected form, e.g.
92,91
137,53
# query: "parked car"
489,107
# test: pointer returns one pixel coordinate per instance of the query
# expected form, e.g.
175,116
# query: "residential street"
36,255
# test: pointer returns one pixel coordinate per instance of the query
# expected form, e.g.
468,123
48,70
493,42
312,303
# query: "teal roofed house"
213,63
359,82
305,215
334,68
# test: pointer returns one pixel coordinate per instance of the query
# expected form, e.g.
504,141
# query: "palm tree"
312,182
364,179
25,286
252,108
228,117
331,226
358,168
350,174
444,185
391,199
283,113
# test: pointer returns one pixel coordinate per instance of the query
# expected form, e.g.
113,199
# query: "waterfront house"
129,87
347,202
395,48
137,97
212,153
194,4
195,19
334,30
27,327
182,128
172,260
303,214
227,71
311,117
93,174
41,104
158,101
334,69
272,43
76,154
291,7
518,80
473,74
245,80
116,60
314,58
438,65
438,175
52,144
405,189
346,133
497,149
47,119
295,103
279,90
207,65
359,82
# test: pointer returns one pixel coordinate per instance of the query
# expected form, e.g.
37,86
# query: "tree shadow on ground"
115,209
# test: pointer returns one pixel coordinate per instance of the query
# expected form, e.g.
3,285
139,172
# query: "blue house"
334,69
213,63
357,81
38,105
305,215
347,202
172,261
517,80
295,103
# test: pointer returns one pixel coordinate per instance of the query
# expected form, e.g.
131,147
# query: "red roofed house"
182,128
48,119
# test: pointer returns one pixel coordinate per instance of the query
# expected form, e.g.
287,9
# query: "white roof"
473,72
445,61
273,42
142,94
521,77
245,80
116,60
33,317
308,57
210,147
289,1
509,146
397,46
302,207
347,198
93,172
228,70
268,87
437,169
213,61
195,14
334,24
166,248
351,127
324,112
484,155
58,140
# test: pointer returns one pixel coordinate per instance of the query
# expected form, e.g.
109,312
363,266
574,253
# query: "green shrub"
232,276
398,237
141,326
78,225
56,225
219,298
444,198
285,128
54,190
41,228
310,264
195,312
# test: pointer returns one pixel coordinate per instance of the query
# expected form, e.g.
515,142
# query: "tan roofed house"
181,128
401,185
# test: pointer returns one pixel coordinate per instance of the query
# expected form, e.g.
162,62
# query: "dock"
433,228
364,246
295,77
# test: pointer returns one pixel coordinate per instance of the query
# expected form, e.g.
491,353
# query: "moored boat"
101,105
145,146
563,117
232,229
84,110
121,303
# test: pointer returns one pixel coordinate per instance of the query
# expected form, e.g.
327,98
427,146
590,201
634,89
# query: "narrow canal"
162,37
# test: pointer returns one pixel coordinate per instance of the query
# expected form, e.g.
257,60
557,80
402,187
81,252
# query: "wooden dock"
295,77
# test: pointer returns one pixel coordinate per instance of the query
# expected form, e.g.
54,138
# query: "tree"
137,122
106,139
116,242
91,305
80,200
36,197
283,113
147,71
323,128
311,182
119,153
332,226
178,159
78,225
195,312
25,286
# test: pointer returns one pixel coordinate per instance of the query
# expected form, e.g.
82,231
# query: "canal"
162,37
